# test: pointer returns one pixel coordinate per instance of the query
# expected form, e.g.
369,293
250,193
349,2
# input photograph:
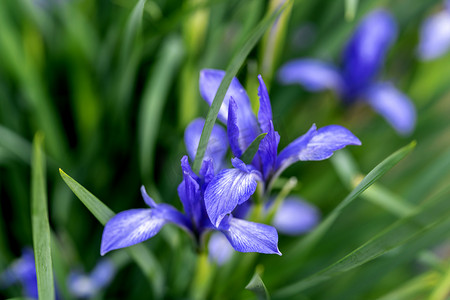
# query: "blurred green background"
112,84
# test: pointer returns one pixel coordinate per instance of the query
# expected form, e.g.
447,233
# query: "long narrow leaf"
141,255
231,71
257,286
40,223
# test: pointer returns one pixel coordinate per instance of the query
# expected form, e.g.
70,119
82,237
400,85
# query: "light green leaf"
40,223
141,255
15,144
248,155
231,71
350,9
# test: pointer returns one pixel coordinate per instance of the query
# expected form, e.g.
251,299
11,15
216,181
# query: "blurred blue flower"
435,35
232,187
22,271
86,286
137,225
363,57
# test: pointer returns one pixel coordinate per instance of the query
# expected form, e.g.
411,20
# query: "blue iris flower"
435,35
233,187
83,286
137,225
363,57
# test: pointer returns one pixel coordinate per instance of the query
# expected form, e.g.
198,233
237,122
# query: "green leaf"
426,218
141,255
133,28
153,101
248,155
442,288
257,286
40,223
231,71
420,285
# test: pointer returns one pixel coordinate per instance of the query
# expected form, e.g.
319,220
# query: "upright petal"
246,236
147,199
228,189
268,151
248,127
190,195
435,36
217,144
394,106
233,129
295,216
316,145
366,50
313,75
265,109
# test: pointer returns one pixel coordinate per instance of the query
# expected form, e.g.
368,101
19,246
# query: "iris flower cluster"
210,197
363,57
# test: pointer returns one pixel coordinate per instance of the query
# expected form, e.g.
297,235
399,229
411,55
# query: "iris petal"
435,36
268,151
228,189
233,129
209,84
366,50
217,145
295,216
394,106
219,249
246,236
316,145
313,75
265,109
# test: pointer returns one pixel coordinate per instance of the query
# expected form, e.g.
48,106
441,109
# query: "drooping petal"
435,36
130,227
248,127
228,189
219,249
268,151
393,105
134,226
246,236
316,145
295,216
265,109
233,129
313,75
217,145
366,50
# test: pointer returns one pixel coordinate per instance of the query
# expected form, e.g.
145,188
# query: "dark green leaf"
257,286
248,155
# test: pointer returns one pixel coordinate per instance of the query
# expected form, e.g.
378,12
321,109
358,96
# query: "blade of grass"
442,288
40,223
231,71
141,255
426,218
350,9
249,154
153,101
15,144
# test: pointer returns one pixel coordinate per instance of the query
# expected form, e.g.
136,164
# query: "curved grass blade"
231,71
350,9
153,101
141,255
133,28
40,223
427,217
257,286
416,288
442,289
248,155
